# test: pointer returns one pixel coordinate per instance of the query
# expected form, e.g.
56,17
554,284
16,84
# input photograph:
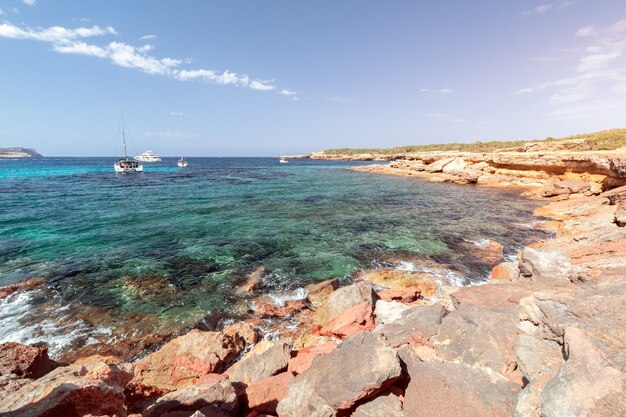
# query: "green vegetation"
603,140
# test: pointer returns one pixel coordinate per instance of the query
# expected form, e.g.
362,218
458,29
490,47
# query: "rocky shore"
544,337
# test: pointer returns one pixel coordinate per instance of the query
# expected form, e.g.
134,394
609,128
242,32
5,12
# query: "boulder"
318,293
267,358
615,195
304,357
552,190
478,336
466,176
498,295
286,309
205,398
342,299
386,405
438,166
243,331
405,295
264,395
585,383
424,319
457,389
489,251
506,271
455,165
361,367
183,361
25,361
389,311
549,267
254,281
94,388
358,318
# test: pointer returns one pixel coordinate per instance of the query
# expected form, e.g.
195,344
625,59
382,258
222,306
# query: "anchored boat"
125,165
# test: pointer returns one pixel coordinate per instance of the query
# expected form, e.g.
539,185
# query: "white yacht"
283,160
125,165
182,163
147,156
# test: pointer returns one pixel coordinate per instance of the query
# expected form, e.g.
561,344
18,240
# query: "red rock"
94,388
361,367
25,361
218,398
287,309
356,319
254,281
506,271
490,252
8,290
495,296
304,357
267,358
342,299
457,389
318,293
404,295
243,331
264,395
183,361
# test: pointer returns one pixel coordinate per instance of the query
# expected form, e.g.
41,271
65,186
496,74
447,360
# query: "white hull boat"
147,156
125,165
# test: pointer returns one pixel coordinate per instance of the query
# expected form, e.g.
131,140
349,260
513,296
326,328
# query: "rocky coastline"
544,337
11,153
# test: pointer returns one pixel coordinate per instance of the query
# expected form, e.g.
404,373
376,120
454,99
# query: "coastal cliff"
19,153
543,338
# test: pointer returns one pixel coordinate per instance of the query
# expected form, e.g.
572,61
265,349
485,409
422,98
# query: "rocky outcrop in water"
550,174
19,153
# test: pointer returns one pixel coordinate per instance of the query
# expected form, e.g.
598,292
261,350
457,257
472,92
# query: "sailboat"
181,162
282,159
125,165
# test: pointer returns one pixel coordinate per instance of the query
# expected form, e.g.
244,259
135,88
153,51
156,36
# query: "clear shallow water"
163,249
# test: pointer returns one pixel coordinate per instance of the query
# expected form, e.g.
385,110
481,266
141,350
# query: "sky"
263,77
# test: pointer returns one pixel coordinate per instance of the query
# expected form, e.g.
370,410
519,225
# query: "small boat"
181,162
125,165
283,160
147,156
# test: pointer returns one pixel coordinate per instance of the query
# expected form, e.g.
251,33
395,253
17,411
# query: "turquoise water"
171,243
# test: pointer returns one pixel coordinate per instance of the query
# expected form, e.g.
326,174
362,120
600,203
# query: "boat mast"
123,133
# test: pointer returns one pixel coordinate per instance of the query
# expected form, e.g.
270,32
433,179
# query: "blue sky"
237,78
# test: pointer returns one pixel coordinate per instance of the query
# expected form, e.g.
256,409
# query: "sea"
127,257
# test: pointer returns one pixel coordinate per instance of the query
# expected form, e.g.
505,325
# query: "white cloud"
567,3
287,93
81,48
586,31
176,113
543,8
1,12
147,37
15,10
69,41
261,86
437,91
29,2
539,9
596,85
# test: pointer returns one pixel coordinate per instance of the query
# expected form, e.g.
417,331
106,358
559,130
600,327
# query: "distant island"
19,153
